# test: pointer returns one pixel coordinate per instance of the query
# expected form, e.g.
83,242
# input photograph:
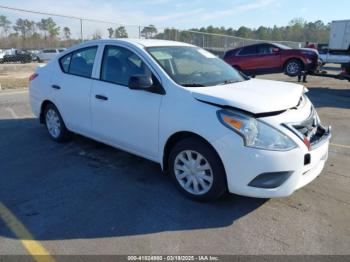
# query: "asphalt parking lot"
86,198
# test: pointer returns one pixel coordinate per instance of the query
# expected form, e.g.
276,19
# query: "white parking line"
12,112
340,145
7,93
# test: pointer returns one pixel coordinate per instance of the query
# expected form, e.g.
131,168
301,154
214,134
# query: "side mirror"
140,82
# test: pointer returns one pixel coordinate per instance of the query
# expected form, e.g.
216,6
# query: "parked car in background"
176,104
16,56
272,58
46,55
332,56
2,53
34,53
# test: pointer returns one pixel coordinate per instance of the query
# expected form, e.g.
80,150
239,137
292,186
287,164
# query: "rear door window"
249,50
82,62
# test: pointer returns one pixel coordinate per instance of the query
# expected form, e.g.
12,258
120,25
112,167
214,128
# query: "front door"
120,116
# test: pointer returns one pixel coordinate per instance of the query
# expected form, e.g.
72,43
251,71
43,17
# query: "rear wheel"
54,124
197,169
293,67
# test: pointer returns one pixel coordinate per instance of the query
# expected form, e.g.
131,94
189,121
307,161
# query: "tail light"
33,76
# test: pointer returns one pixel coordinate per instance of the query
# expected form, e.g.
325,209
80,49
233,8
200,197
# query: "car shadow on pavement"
84,189
330,97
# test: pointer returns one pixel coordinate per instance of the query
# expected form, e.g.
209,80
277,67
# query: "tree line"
24,33
28,33
298,30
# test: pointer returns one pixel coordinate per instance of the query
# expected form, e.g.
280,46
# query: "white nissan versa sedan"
176,104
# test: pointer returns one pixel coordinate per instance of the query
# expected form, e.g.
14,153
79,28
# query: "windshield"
193,66
282,46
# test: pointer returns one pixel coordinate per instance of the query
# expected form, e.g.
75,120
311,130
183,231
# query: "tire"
55,125
293,67
211,181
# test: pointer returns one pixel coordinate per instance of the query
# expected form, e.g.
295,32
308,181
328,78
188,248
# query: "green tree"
67,33
121,32
149,31
244,32
21,27
5,24
110,32
263,33
49,27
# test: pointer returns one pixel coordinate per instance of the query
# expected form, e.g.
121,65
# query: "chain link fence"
37,36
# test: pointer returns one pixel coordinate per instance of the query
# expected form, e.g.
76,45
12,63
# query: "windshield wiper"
193,85
226,82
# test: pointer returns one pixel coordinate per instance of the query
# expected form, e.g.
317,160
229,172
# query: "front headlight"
256,133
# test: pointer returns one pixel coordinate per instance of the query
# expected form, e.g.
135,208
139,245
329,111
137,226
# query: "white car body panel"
251,95
142,122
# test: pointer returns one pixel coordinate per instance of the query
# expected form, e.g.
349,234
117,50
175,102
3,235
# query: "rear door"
122,117
71,87
267,59
246,58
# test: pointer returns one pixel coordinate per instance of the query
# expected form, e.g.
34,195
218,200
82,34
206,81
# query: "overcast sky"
185,14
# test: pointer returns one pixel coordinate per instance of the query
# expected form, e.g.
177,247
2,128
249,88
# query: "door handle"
101,97
56,87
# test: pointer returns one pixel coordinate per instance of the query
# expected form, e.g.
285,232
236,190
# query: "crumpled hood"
255,96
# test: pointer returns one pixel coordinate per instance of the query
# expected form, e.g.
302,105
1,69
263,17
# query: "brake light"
33,76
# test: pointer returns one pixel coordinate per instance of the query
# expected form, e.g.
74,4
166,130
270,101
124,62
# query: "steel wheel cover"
193,172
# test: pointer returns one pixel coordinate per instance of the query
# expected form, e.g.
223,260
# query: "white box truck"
338,49
340,36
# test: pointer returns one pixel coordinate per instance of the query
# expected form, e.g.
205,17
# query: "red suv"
268,58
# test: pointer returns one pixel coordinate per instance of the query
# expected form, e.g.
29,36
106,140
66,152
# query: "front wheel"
197,170
54,124
293,67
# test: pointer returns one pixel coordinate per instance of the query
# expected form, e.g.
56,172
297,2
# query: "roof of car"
142,42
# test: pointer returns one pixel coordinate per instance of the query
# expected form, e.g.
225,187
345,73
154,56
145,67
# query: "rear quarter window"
79,62
65,62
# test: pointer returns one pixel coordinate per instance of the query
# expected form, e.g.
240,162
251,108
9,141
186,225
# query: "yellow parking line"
34,248
338,145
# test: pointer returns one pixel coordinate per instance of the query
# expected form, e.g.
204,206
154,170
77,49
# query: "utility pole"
81,30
